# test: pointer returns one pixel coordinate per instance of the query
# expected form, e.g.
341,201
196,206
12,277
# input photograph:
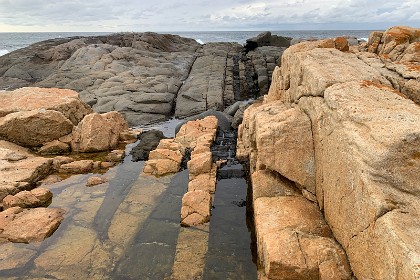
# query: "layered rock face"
145,76
343,128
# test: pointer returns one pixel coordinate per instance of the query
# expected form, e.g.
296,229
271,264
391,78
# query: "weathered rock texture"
195,135
361,134
29,225
19,169
141,75
29,199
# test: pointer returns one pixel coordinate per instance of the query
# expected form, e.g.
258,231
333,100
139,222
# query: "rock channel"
332,149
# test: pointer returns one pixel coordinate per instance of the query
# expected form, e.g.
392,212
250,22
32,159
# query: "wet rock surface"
149,140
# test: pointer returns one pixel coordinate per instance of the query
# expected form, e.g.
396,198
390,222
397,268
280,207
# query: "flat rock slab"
294,241
64,101
29,225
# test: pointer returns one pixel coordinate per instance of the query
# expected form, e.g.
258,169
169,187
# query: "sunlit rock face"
364,128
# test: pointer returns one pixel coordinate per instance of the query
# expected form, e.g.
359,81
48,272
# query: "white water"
199,41
3,52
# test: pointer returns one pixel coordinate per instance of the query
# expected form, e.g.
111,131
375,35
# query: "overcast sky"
204,15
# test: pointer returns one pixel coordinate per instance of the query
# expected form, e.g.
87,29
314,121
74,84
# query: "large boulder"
64,101
294,241
98,132
365,135
33,128
279,138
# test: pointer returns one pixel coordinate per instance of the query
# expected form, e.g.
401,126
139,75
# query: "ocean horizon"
11,41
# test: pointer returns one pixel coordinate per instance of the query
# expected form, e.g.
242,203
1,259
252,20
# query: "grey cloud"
178,15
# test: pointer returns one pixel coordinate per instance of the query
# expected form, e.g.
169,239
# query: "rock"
98,132
31,225
281,140
149,140
30,170
115,156
123,72
223,121
163,162
64,101
195,208
303,71
44,195
60,160
205,182
207,84
365,136
106,164
239,115
199,164
95,180
386,147
51,179
40,126
29,199
55,147
266,39
267,183
341,44
190,132
11,155
294,241
80,166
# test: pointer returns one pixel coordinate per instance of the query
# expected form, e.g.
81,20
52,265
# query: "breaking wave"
3,52
199,41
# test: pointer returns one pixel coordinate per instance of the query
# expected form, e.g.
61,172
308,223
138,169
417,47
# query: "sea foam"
199,41
3,52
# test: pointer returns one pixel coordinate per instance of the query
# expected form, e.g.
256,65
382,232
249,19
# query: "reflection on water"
128,228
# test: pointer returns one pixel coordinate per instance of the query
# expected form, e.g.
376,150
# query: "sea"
12,41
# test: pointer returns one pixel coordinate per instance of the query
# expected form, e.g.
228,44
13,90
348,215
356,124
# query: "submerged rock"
29,225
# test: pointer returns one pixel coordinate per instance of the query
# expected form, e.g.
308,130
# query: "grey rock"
149,140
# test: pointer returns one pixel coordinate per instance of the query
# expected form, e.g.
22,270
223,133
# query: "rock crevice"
363,128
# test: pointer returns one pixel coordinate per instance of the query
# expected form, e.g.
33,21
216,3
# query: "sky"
204,15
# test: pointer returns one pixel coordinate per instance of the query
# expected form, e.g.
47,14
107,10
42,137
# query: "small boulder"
200,163
60,160
55,147
115,156
80,166
29,225
149,140
196,207
98,132
28,199
95,180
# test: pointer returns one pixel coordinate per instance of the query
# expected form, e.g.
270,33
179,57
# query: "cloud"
179,15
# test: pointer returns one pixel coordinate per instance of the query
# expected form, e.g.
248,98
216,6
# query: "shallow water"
128,228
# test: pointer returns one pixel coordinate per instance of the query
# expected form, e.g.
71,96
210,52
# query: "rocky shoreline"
328,128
